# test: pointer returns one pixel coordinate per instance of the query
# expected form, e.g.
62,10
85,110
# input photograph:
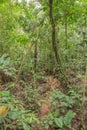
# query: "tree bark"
35,58
52,21
66,37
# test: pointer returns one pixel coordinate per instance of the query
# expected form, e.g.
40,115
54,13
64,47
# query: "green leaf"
50,122
1,119
5,93
59,122
25,126
14,115
47,126
56,113
68,117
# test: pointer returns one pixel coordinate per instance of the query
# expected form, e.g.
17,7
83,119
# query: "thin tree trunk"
66,35
53,31
66,38
35,58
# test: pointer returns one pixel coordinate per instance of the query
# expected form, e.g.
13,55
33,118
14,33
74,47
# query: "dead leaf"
3,111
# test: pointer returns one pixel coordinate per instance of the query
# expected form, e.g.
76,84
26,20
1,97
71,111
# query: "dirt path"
45,107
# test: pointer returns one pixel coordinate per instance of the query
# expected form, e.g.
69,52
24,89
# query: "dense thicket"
43,64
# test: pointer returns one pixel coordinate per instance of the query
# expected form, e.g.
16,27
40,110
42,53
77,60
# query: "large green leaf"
59,122
14,115
68,117
25,126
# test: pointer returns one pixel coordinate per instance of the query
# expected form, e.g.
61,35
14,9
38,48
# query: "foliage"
28,54
6,65
62,105
16,113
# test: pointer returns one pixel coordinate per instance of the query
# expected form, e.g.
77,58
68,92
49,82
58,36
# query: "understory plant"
64,107
13,115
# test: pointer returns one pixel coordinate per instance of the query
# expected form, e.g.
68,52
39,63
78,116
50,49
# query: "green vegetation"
43,65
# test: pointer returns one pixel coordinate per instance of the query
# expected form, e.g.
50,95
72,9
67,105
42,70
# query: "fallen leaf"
3,111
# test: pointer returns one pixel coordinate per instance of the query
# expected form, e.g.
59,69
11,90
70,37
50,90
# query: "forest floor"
47,86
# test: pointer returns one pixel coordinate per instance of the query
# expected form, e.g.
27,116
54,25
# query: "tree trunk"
66,41
35,58
53,31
